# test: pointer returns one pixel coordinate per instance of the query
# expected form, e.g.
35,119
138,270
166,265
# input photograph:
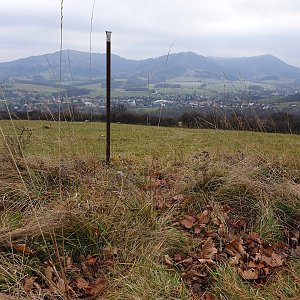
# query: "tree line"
279,122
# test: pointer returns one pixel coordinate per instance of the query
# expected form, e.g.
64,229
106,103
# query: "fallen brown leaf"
195,273
81,283
61,285
281,247
188,222
221,230
86,270
234,261
91,260
22,248
110,250
268,250
294,234
197,230
273,261
235,248
187,261
179,197
196,287
257,265
203,217
277,260
209,296
249,274
161,183
267,271
208,250
217,221
206,261
97,287
178,257
49,273
254,237
29,284
226,210
237,223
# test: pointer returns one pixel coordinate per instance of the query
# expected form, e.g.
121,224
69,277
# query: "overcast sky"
147,28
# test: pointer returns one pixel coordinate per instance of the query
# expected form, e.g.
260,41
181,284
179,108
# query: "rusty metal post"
108,89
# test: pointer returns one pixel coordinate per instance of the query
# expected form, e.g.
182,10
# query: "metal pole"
108,89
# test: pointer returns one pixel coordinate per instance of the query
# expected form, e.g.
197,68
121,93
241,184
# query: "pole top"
108,36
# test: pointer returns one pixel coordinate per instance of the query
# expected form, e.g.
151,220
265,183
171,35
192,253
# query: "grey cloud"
144,28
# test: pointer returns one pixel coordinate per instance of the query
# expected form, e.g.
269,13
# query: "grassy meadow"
179,213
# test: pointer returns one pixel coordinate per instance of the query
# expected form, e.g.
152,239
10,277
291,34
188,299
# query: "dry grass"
125,214
285,284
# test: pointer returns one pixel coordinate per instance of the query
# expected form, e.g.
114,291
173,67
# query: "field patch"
179,213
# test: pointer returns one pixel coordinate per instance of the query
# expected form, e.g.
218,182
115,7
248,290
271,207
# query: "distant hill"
258,67
76,66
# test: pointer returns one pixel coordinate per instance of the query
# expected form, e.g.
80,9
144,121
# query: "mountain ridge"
78,66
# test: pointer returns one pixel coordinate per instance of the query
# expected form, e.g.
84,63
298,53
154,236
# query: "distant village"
254,99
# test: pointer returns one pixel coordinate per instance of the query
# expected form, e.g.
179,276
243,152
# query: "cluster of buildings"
261,99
